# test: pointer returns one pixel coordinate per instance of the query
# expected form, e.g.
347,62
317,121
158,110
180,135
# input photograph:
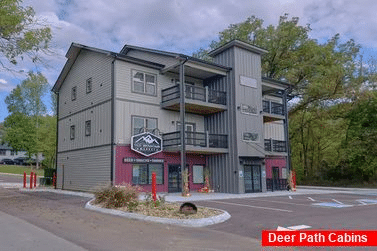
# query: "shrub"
118,196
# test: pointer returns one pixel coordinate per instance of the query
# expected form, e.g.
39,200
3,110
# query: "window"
88,85
248,136
142,124
88,128
13,152
144,83
197,174
3,152
74,93
142,173
72,132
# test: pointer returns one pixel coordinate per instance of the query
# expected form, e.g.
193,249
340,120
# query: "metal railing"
271,145
195,93
273,107
200,139
276,184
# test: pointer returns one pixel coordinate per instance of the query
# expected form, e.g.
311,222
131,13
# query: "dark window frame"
72,132
88,128
89,85
74,93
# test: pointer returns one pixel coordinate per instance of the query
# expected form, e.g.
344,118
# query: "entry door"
189,129
275,178
252,178
175,179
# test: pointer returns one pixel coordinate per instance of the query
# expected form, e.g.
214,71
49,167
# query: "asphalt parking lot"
335,211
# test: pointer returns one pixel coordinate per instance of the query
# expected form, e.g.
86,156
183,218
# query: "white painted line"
290,197
337,201
242,205
281,202
283,229
299,227
310,198
362,203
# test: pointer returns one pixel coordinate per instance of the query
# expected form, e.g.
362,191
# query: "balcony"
277,146
196,142
272,111
198,100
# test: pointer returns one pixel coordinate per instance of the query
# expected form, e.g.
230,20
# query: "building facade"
120,118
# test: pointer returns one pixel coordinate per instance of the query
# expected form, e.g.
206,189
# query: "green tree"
318,72
26,114
21,34
359,147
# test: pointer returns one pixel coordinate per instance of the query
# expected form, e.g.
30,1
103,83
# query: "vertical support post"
31,180
154,188
294,180
207,94
35,179
182,118
207,139
25,179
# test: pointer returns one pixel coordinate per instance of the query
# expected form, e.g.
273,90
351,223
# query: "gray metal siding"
248,64
84,170
88,65
224,168
100,117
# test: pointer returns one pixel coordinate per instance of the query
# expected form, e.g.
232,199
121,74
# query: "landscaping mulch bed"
170,210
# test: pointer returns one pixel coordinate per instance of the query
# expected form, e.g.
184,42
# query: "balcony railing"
199,139
273,107
272,145
194,93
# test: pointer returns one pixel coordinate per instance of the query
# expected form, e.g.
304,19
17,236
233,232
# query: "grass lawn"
20,170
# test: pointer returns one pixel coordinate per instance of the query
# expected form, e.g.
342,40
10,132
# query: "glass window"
159,170
89,85
144,83
72,132
88,128
142,173
141,124
197,174
3,152
74,93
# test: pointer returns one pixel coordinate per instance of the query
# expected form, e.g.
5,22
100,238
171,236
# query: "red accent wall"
274,162
123,171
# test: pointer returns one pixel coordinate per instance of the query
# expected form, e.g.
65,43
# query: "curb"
181,222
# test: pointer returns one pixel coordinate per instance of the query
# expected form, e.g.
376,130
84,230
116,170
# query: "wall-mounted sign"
146,144
240,173
135,160
249,82
283,173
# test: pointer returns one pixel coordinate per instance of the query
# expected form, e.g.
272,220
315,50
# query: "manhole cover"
331,204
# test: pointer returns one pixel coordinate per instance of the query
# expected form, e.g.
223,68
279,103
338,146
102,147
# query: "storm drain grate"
331,204
367,201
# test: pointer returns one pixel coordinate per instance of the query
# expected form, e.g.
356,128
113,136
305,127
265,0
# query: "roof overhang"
240,44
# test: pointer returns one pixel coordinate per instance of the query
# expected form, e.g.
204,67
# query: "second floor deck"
198,100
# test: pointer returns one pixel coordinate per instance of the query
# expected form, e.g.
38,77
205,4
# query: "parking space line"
310,198
291,197
242,205
282,202
337,201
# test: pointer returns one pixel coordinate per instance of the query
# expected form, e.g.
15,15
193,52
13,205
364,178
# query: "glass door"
174,179
252,178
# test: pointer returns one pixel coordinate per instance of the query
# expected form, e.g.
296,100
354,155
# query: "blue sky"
182,25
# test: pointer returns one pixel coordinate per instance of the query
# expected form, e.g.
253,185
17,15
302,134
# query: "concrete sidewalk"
17,234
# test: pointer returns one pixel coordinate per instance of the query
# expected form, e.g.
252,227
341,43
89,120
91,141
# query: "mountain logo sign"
146,144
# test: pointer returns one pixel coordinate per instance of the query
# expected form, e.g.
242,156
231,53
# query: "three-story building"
122,116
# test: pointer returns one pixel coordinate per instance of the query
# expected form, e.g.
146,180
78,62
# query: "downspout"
57,136
112,120
182,118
